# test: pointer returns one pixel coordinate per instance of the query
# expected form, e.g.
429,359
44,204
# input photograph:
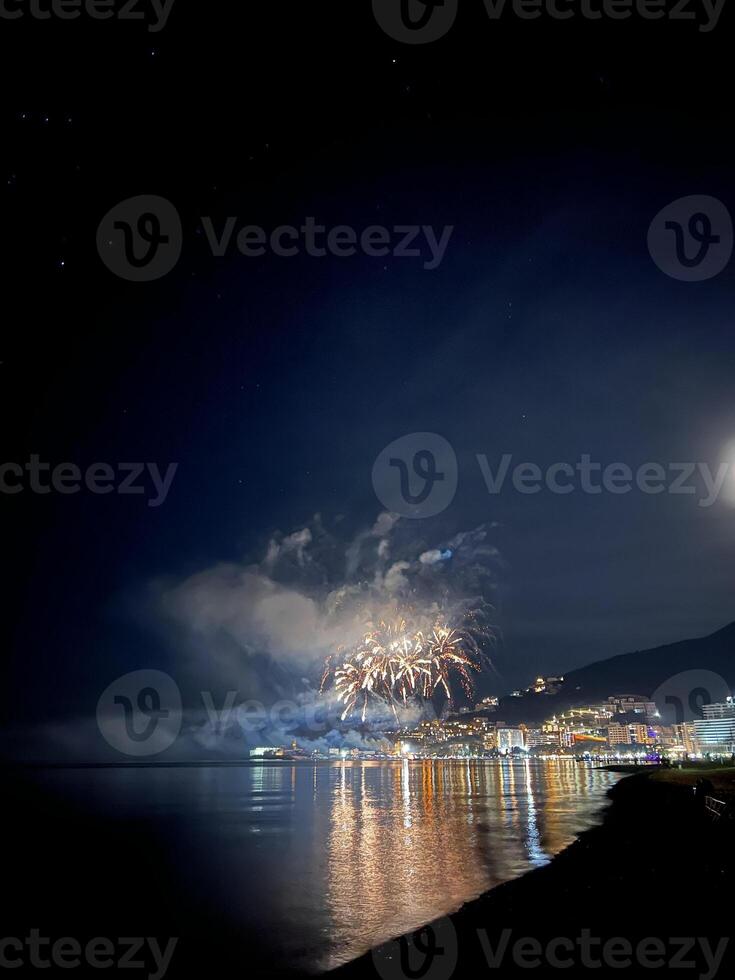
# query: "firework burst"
394,664
448,655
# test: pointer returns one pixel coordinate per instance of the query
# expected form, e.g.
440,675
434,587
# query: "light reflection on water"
411,841
332,859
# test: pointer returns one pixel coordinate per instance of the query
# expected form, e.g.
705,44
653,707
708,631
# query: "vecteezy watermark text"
343,241
141,714
433,953
99,478
592,952
425,21
67,953
587,476
123,10
417,476
141,239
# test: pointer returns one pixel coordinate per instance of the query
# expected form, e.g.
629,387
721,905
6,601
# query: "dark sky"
547,331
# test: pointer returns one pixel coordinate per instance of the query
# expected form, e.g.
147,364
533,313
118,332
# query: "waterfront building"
635,704
589,716
538,737
716,734
509,739
629,734
490,741
722,709
687,737
266,752
677,739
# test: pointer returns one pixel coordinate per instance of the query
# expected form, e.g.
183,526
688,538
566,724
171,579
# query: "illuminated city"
623,727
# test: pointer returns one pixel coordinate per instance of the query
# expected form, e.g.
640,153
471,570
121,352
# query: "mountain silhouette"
640,672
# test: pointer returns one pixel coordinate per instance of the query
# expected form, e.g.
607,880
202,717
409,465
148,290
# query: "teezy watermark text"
99,478
154,12
67,953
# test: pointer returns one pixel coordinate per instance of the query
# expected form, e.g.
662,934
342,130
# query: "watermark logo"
416,21
691,239
140,713
416,476
430,953
423,21
141,238
681,698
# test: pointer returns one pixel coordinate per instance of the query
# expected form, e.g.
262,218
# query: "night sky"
547,331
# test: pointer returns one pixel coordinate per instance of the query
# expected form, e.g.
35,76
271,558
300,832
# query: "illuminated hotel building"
509,739
633,734
535,737
723,709
716,734
634,703
617,734
567,738
679,738
490,741
716,730
687,737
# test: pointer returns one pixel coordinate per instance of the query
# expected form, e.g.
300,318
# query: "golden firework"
395,664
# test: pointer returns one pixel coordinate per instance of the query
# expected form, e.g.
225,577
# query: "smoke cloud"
248,640
316,591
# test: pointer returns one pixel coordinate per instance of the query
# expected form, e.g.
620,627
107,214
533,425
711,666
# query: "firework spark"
394,664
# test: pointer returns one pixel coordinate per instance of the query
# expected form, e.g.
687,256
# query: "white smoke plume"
257,634
260,623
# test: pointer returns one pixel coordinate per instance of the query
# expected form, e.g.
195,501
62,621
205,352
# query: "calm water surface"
332,859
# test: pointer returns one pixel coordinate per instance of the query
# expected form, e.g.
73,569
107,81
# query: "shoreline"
656,867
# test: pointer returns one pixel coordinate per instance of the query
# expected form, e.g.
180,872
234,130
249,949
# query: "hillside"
639,672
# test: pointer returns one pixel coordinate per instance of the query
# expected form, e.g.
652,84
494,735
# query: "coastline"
655,868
